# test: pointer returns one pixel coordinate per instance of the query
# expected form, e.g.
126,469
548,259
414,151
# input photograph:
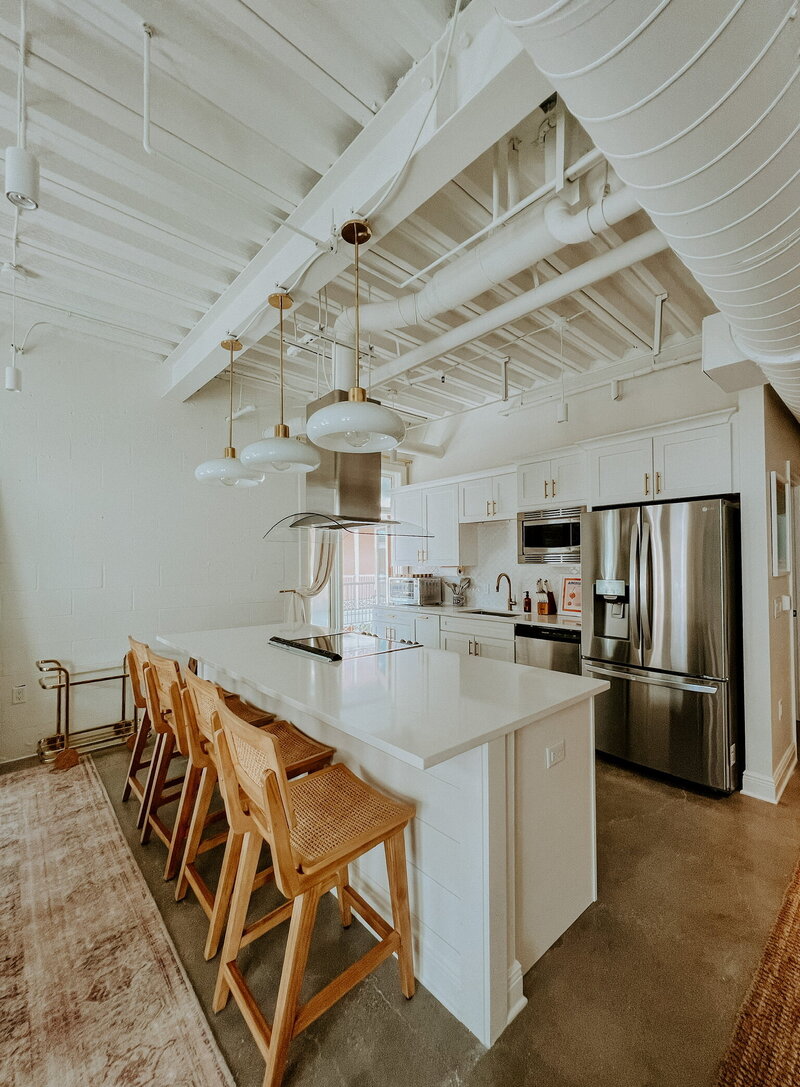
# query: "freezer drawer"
676,724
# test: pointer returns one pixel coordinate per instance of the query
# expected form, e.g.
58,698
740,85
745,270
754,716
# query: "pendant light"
279,452
356,425
228,470
21,166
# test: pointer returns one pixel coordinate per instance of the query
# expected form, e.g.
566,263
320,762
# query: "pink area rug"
91,990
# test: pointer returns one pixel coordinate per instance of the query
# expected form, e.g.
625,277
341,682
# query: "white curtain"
322,548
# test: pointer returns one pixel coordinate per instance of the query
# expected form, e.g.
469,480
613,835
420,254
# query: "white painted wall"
769,436
487,439
104,530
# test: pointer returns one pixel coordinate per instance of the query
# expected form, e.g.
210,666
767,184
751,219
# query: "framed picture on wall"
571,595
780,521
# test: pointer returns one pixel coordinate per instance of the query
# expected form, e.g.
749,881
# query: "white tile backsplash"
497,553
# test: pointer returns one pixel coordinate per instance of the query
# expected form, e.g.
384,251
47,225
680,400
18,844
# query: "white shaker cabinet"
556,481
475,637
672,464
693,462
434,510
490,498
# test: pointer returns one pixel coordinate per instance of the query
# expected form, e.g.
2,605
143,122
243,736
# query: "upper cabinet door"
407,506
475,500
569,485
440,509
533,484
623,472
693,462
504,497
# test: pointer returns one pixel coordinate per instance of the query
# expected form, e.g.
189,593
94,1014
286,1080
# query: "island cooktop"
343,645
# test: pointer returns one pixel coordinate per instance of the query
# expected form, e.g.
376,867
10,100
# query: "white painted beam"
491,86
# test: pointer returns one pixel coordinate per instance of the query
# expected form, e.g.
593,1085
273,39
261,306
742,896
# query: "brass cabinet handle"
469,647
553,487
647,483
488,511
494,507
545,490
477,649
658,483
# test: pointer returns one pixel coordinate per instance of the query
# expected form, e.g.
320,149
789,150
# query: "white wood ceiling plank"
184,128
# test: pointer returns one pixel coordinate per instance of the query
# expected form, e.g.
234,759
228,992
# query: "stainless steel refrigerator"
661,623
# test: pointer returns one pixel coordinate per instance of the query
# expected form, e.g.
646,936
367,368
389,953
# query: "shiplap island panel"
502,850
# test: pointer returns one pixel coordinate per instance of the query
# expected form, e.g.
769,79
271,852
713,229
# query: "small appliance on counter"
421,590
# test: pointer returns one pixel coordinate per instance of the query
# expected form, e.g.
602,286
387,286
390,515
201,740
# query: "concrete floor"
642,991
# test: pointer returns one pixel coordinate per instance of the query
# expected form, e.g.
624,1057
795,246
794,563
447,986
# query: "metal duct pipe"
606,264
696,107
504,254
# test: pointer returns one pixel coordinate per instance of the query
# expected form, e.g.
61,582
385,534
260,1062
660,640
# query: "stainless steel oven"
549,536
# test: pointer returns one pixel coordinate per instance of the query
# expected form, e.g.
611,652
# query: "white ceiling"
252,102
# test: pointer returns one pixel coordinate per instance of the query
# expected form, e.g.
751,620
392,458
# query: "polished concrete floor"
642,991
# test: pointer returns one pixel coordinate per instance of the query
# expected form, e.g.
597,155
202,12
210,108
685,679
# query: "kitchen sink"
498,614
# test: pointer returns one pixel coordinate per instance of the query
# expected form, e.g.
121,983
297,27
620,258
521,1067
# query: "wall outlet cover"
555,754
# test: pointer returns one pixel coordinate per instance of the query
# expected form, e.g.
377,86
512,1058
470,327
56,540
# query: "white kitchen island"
502,850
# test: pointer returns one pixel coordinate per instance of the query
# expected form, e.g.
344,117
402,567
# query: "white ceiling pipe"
420,449
504,254
696,107
591,271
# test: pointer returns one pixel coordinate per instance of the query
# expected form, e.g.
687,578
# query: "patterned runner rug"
92,991
765,1050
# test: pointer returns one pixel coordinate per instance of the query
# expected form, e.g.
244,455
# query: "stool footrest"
260,1028
264,924
332,992
212,843
201,889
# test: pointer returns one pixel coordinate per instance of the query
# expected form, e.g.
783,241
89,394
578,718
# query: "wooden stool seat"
315,827
247,712
301,755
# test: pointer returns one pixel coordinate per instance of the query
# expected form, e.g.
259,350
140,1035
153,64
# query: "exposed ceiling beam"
502,87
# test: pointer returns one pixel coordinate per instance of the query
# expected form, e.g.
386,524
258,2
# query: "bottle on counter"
526,603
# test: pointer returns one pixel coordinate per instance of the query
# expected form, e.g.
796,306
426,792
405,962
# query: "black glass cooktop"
344,645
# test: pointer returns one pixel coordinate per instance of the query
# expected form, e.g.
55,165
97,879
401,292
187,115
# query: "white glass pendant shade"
354,426
229,471
280,454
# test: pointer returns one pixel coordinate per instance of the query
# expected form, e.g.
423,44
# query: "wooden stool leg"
398,888
141,818
196,827
301,928
345,912
159,779
240,900
140,743
186,806
222,899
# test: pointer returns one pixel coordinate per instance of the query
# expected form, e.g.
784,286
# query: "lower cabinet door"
456,643
496,649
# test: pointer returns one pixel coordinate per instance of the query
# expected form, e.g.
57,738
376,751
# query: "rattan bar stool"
164,684
315,826
136,658
301,755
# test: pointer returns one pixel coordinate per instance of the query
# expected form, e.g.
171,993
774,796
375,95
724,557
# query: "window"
365,559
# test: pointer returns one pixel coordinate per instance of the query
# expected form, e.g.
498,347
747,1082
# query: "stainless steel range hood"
346,486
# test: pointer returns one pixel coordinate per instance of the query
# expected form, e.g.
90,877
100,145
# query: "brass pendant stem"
357,315
281,321
230,412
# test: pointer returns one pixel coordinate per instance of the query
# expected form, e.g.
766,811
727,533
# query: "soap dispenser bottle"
526,604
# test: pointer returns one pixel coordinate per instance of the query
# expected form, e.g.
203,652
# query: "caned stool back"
136,658
164,683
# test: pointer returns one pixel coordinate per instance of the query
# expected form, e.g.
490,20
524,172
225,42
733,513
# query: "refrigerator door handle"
673,684
633,582
645,586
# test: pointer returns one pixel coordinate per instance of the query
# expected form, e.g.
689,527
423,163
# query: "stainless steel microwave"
549,536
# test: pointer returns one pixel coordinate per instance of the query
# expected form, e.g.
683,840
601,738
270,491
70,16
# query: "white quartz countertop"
569,622
423,706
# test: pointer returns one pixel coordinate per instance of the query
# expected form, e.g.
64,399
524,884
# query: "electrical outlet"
18,694
555,754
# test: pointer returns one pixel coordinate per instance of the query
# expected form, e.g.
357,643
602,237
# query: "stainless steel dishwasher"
556,648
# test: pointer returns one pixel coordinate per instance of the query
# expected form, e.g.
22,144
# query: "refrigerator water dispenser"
611,609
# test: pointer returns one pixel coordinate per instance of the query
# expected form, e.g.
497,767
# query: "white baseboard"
769,787
516,998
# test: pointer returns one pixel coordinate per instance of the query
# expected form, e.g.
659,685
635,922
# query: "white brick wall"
104,530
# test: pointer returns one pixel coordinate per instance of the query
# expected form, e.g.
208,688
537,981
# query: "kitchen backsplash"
497,553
